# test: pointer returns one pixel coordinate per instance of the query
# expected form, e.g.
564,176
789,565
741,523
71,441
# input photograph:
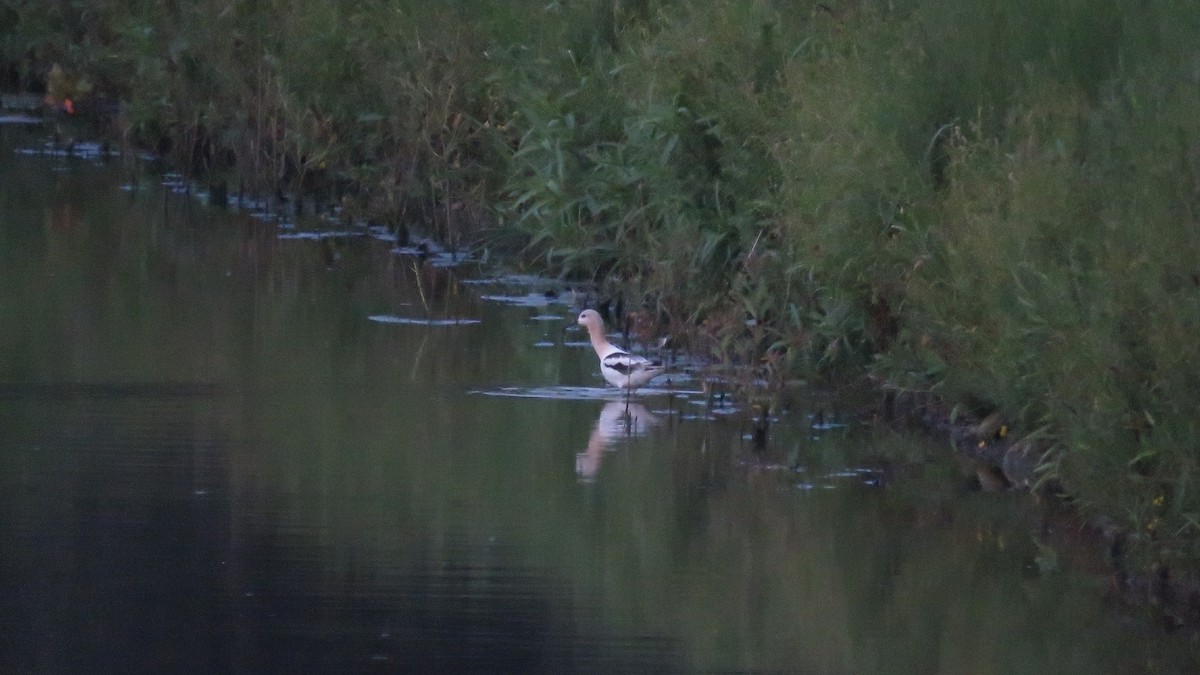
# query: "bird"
622,369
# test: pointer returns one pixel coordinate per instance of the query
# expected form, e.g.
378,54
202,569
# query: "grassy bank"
998,204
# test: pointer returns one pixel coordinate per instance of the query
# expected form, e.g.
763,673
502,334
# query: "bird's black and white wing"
626,364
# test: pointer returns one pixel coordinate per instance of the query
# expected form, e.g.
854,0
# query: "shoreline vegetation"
994,206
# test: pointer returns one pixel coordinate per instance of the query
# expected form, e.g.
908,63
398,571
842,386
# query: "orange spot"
69,106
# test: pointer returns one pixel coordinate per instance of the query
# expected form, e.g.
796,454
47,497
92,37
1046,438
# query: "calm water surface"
212,459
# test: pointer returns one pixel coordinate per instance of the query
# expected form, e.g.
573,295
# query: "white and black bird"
621,369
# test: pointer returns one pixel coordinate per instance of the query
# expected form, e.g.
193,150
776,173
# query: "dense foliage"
997,202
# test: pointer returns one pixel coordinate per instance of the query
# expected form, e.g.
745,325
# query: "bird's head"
590,319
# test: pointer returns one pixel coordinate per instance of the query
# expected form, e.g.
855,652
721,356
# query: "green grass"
997,203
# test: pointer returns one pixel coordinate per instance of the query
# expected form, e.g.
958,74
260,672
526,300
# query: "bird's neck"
600,343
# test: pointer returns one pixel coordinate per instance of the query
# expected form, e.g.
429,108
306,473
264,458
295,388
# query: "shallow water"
226,451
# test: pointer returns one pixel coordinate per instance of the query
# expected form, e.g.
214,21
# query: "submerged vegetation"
995,203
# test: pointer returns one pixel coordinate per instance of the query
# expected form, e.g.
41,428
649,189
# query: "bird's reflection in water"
618,420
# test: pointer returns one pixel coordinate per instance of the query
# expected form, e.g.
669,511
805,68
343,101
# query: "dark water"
213,460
